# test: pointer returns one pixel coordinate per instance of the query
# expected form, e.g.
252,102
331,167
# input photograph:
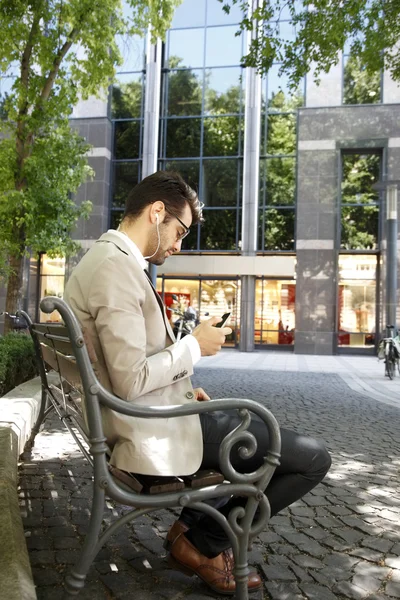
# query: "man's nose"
177,246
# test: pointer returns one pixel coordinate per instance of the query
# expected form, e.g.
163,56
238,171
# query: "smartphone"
225,317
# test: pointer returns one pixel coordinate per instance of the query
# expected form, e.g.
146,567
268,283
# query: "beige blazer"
138,359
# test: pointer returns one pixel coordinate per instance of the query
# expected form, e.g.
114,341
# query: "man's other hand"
200,394
211,338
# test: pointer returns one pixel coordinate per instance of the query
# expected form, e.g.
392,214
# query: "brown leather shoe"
216,572
177,528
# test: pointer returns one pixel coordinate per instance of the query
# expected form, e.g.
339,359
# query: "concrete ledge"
18,413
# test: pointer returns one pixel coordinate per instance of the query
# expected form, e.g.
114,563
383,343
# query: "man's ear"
157,209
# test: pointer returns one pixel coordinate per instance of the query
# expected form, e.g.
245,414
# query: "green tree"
322,28
62,50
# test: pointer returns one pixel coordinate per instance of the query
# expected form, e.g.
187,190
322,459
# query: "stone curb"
18,412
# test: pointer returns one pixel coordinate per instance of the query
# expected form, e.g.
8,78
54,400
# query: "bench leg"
75,580
241,570
35,429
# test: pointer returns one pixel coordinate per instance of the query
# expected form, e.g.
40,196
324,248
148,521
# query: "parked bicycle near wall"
389,351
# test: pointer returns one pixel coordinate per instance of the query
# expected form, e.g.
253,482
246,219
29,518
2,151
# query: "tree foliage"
322,28
55,52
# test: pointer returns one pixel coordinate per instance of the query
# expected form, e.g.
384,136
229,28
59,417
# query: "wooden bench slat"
64,365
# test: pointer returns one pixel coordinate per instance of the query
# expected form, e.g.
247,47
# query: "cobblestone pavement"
340,541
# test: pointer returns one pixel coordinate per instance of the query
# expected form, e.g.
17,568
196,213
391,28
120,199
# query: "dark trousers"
304,463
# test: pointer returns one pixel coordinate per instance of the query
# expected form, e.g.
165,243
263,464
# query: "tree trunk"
14,290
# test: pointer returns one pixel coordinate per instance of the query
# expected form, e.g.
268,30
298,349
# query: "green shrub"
17,361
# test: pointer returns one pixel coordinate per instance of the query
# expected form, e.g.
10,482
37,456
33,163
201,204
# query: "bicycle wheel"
389,363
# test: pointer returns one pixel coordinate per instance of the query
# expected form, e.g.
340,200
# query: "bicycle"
389,350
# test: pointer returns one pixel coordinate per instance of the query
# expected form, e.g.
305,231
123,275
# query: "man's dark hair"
169,187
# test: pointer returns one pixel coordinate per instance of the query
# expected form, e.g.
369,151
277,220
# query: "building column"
152,116
250,193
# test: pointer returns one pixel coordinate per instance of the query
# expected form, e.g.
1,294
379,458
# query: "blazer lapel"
162,308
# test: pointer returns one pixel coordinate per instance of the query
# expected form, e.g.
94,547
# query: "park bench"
77,400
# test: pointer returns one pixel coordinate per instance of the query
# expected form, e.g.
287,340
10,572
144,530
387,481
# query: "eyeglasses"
180,236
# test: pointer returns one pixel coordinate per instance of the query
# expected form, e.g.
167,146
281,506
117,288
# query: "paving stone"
365,568
368,554
283,591
392,589
378,544
276,573
308,562
349,590
300,573
316,533
367,582
393,562
317,592
349,535
46,576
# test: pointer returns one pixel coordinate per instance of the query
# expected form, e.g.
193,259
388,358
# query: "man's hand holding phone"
211,334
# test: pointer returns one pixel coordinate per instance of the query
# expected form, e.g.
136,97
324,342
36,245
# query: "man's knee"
322,461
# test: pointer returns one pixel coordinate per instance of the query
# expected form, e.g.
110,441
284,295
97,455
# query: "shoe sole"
175,564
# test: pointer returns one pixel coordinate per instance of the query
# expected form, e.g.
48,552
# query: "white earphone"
159,240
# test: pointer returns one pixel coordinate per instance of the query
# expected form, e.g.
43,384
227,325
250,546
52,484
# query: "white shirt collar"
131,245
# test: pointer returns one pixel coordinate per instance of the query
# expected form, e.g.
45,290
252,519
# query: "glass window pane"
186,48
278,181
286,30
116,218
191,13
221,182
219,297
278,226
188,169
359,86
185,92
217,16
275,312
127,139
359,229
281,134
126,98
52,266
280,96
188,293
191,241
132,51
359,173
357,300
223,47
223,91
221,136
126,176
183,137
218,232
283,10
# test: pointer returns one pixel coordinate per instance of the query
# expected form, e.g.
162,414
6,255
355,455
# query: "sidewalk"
363,374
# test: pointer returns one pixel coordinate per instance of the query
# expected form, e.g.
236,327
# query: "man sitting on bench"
140,361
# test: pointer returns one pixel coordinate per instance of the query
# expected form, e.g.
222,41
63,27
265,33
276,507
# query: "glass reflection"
126,176
126,98
188,46
217,16
277,228
127,139
223,48
221,136
185,91
183,137
221,296
278,181
116,218
132,51
218,232
189,170
275,312
223,92
52,279
191,13
357,300
280,95
220,182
